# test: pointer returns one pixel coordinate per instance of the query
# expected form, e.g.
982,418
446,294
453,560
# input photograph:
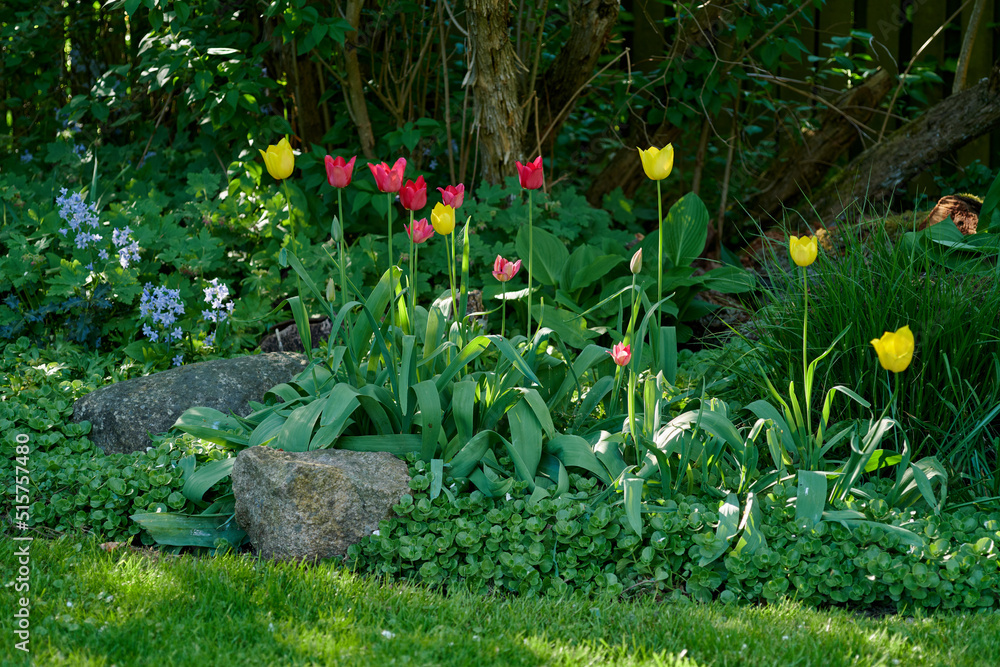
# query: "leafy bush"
78,265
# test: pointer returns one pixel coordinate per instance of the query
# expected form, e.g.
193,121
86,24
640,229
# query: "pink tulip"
389,180
621,353
338,172
530,174
504,270
420,231
413,196
453,195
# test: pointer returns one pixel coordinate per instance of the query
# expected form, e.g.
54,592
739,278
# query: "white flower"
387,634
509,497
375,533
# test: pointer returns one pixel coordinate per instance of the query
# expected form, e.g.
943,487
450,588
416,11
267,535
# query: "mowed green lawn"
90,607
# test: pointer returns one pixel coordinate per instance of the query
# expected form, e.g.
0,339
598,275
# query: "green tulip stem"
291,220
392,283
413,276
451,275
531,256
345,293
291,232
806,384
503,312
631,411
659,265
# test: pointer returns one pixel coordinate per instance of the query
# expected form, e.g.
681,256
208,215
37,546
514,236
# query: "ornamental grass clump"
949,404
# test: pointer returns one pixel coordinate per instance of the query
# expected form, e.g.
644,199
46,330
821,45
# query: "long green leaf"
297,432
811,500
179,530
430,417
471,454
399,445
211,425
633,503
508,351
302,324
575,452
729,522
205,477
526,440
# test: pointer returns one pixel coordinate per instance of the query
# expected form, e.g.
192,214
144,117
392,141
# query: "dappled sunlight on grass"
140,608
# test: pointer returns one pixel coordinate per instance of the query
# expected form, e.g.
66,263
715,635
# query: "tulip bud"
331,290
336,233
635,266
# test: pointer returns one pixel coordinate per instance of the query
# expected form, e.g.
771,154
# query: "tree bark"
624,168
355,92
559,87
803,167
493,77
875,175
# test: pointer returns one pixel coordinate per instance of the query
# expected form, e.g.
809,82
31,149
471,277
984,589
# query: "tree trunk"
493,77
558,88
875,175
355,92
624,168
805,165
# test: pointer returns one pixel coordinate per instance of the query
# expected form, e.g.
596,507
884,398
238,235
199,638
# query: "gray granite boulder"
309,505
123,415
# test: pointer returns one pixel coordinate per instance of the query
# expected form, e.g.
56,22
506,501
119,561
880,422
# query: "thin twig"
538,57
815,98
699,162
729,165
569,102
159,119
962,68
447,96
458,27
909,65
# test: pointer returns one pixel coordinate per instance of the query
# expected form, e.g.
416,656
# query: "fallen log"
804,166
874,176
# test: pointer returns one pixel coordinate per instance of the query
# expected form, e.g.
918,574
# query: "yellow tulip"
279,159
443,218
657,162
895,350
803,250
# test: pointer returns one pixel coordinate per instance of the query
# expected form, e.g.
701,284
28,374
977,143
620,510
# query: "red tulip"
621,353
413,196
420,231
389,180
530,174
453,195
338,172
504,270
